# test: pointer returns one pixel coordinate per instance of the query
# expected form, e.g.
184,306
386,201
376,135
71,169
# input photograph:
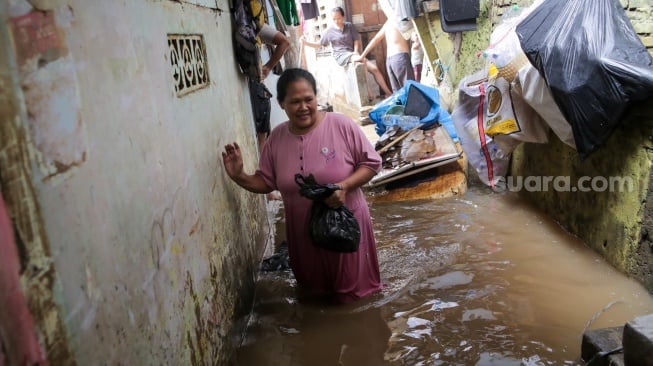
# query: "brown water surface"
482,279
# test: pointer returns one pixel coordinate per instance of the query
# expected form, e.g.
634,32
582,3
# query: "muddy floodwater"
482,279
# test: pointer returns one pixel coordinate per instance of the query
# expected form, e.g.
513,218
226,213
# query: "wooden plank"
450,180
431,6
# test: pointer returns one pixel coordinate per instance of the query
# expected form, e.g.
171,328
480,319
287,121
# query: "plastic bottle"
514,11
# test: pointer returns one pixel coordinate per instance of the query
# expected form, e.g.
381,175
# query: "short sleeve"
267,33
362,150
266,169
365,154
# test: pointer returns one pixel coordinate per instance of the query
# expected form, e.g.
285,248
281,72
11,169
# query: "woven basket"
510,70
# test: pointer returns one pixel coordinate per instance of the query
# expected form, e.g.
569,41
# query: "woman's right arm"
233,163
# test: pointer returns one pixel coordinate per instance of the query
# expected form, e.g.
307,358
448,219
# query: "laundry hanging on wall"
309,9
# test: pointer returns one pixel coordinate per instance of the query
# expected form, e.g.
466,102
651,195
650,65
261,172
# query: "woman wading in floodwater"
335,150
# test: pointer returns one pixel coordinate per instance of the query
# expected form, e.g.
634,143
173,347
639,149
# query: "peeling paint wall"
451,56
139,249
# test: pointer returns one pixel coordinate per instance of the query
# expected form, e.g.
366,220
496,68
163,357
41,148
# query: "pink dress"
331,152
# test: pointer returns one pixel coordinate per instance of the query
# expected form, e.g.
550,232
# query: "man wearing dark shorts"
399,70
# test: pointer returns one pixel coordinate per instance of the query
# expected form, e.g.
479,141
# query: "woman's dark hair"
338,9
289,76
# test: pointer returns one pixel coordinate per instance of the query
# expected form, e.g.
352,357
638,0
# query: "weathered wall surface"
615,222
344,88
135,247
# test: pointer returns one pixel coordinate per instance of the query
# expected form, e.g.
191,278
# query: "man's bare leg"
371,67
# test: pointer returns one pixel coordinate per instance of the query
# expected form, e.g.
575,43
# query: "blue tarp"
434,114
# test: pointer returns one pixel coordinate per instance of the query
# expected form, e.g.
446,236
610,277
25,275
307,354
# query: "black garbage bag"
593,61
278,261
334,229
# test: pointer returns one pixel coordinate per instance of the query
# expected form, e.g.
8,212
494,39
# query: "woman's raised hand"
232,160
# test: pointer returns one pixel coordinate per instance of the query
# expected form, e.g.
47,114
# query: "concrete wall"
135,247
618,224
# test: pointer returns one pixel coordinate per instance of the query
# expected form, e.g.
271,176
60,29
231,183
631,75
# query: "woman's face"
300,104
338,19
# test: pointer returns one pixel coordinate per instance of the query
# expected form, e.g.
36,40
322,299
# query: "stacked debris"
398,147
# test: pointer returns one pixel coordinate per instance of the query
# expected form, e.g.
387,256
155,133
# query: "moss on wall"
473,43
615,223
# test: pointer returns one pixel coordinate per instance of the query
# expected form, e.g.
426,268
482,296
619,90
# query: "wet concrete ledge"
630,345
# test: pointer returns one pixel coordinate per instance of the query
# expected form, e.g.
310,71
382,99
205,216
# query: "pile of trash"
279,261
399,147
415,132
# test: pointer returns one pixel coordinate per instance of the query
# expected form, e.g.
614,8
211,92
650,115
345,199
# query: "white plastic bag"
489,159
507,113
538,95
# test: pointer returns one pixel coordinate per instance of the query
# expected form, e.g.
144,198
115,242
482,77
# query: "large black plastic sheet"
592,60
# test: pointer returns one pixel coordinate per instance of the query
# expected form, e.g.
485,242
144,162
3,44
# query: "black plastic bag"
259,96
278,261
593,61
334,229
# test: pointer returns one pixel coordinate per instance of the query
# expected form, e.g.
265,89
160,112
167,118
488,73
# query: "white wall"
150,242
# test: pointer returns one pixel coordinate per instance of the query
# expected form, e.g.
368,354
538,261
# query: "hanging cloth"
288,10
309,9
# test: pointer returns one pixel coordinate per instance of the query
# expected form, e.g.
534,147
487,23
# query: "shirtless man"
397,54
